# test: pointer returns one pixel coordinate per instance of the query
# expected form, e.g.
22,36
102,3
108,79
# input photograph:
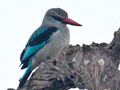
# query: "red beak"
70,21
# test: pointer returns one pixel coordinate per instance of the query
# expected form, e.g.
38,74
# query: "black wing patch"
39,39
43,36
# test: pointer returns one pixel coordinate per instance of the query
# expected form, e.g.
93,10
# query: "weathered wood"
94,67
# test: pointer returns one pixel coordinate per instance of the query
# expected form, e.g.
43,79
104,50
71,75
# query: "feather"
35,43
25,77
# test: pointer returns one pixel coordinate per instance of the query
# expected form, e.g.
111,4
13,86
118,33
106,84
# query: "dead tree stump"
94,67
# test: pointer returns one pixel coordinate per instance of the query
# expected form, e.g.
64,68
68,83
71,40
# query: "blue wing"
38,40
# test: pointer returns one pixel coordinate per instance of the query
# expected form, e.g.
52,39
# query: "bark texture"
94,67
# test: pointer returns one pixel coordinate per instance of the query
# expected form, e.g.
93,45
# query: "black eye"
57,18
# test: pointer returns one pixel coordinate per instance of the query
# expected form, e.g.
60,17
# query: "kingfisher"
47,41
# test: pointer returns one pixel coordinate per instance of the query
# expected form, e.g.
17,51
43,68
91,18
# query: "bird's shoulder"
41,34
36,33
38,39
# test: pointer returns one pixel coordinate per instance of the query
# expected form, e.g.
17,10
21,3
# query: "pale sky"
19,18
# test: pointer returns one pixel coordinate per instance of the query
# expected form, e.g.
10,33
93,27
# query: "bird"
47,41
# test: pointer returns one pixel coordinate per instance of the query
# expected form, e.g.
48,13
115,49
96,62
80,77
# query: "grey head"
57,17
57,14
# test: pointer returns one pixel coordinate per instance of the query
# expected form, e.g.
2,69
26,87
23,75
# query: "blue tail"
25,77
